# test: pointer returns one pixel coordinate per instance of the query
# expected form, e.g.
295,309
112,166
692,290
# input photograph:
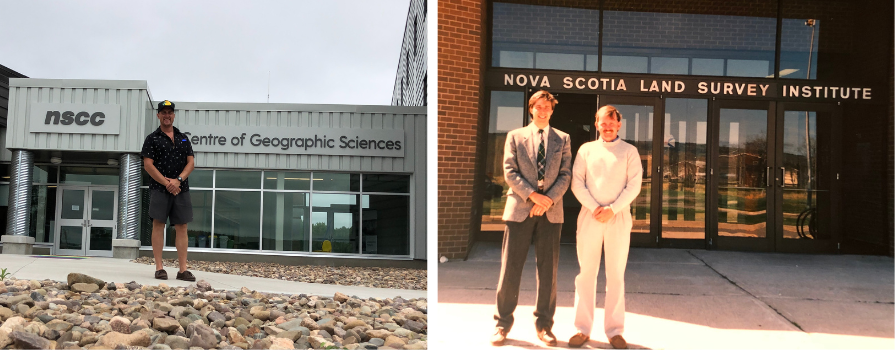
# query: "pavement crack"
745,291
24,266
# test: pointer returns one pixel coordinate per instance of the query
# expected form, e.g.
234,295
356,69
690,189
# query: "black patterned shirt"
169,157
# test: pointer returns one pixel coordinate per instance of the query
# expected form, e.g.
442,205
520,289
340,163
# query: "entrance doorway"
86,220
777,176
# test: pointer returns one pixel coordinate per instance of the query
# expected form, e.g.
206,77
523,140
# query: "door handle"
84,223
782,177
768,180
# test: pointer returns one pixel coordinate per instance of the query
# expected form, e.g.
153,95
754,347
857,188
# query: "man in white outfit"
606,178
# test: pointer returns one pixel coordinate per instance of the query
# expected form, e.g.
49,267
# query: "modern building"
762,125
411,79
319,184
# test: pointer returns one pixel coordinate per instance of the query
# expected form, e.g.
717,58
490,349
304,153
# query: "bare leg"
181,242
158,242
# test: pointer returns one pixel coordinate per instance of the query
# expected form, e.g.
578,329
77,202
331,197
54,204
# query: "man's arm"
153,172
632,187
511,172
561,185
579,184
190,165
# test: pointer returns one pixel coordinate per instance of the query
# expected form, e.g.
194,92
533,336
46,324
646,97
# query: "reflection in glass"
70,237
387,183
102,206
806,171
798,48
670,43
386,225
545,37
684,168
285,221
238,179
145,220
100,238
637,129
334,223
282,180
237,219
336,182
79,175
42,174
199,178
43,213
742,173
199,230
507,113
73,204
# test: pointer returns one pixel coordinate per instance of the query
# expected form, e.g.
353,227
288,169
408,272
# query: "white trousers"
614,236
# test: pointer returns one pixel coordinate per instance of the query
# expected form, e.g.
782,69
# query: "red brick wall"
460,35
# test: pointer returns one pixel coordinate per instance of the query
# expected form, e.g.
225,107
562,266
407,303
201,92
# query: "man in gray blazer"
538,169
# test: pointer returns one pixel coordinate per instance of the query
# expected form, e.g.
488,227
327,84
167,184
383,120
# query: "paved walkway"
682,299
119,270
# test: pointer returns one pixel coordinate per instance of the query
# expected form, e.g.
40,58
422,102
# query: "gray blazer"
520,170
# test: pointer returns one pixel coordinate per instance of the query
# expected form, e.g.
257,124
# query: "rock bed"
377,277
87,313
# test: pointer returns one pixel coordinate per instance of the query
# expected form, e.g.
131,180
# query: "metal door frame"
650,239
766,244
86,222
811,246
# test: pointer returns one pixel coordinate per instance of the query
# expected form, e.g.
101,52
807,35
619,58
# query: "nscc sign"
70,118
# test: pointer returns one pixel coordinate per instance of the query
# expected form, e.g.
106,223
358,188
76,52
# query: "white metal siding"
132,129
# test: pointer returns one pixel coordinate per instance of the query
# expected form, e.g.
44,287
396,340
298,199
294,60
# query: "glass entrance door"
639,129
808,170
86,220
743,175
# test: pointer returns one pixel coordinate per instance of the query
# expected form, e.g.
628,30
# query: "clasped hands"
542,203
173,186
603,214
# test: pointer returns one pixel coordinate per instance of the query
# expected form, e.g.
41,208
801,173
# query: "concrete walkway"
119,270
682,299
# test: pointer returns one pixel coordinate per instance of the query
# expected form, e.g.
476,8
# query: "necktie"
542,158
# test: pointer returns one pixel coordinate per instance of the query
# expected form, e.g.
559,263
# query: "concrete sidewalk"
681,299
119,270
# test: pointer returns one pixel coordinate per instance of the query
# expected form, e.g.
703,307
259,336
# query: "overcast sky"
332,52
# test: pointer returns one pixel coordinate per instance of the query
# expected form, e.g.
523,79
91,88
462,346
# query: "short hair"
609,110
539,95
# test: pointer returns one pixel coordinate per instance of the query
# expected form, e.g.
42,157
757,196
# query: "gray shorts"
164,206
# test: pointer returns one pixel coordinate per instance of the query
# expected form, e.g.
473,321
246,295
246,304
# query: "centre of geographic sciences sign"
310,141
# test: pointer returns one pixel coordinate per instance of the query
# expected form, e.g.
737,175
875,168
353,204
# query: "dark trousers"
516,240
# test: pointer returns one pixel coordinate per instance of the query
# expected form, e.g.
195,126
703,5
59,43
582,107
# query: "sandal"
186,276
161,274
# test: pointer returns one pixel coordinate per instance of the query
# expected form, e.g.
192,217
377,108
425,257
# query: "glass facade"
245,210
545,37
317,212
507,112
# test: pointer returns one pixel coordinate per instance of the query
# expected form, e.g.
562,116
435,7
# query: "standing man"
537,167
606,179
168,159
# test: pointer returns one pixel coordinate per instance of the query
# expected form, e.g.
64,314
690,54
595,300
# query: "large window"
688,44
507,113
289,211
545,37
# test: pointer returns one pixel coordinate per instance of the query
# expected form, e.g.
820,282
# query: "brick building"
762,126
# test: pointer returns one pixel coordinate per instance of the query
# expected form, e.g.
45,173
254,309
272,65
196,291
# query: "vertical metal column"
18,217
129,196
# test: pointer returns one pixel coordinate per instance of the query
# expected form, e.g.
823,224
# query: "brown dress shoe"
578,340
546,336
500,335
618,342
